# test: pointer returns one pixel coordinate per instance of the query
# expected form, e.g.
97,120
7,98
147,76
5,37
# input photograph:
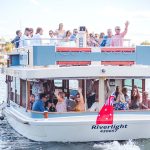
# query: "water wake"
130,145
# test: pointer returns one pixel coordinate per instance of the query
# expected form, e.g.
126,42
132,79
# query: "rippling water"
11,140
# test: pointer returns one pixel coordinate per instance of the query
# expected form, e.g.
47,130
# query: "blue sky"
96,15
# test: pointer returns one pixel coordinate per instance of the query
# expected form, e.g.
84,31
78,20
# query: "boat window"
58,83
92,92
23,93
129,83
138,83
15,90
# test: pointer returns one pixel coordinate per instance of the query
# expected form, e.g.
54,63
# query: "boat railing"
65,43
47,54
37,114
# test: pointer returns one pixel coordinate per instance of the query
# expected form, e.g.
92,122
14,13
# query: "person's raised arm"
56,93
81,95
126,28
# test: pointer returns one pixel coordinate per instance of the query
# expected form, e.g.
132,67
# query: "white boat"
33,66
78,126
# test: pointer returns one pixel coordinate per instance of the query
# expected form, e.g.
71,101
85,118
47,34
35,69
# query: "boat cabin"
45,69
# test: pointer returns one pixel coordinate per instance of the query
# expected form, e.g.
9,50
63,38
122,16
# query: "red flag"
105,116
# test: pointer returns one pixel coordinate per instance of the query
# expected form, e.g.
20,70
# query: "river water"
11,140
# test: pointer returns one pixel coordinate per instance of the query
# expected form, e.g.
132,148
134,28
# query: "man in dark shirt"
38,105
71,103
16,40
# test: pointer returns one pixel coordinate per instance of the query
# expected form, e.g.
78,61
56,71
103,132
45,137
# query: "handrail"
72,112
91,112
59,42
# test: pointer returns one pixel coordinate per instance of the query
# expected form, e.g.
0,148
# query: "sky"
96,15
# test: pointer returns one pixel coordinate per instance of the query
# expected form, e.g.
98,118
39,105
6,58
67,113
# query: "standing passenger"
117,39
25,39
60,32
106,39
37,39
53,40
101,36
67,36
31,32
16,40
74,35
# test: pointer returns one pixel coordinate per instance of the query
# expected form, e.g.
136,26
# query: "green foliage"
145,43
8,47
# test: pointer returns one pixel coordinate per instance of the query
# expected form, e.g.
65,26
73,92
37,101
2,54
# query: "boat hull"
79,128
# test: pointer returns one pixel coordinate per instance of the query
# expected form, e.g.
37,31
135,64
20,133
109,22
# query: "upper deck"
68,56
45,61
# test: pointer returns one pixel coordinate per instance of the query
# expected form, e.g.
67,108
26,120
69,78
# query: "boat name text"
109,128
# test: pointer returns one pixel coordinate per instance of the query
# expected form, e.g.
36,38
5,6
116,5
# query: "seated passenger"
32,99
51,107
80,106
120,103
61,104
71,103
135,99
38,105
125,91
145,104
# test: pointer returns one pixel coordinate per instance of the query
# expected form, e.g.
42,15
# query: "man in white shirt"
37,39
25,39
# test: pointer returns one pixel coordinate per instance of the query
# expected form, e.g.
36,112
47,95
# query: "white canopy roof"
92,71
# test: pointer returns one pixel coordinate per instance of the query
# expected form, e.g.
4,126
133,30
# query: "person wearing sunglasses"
74,35
117,39
106,39
53,39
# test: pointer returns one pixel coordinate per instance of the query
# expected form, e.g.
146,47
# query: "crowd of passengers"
63,104
76,101
60,35
123,102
